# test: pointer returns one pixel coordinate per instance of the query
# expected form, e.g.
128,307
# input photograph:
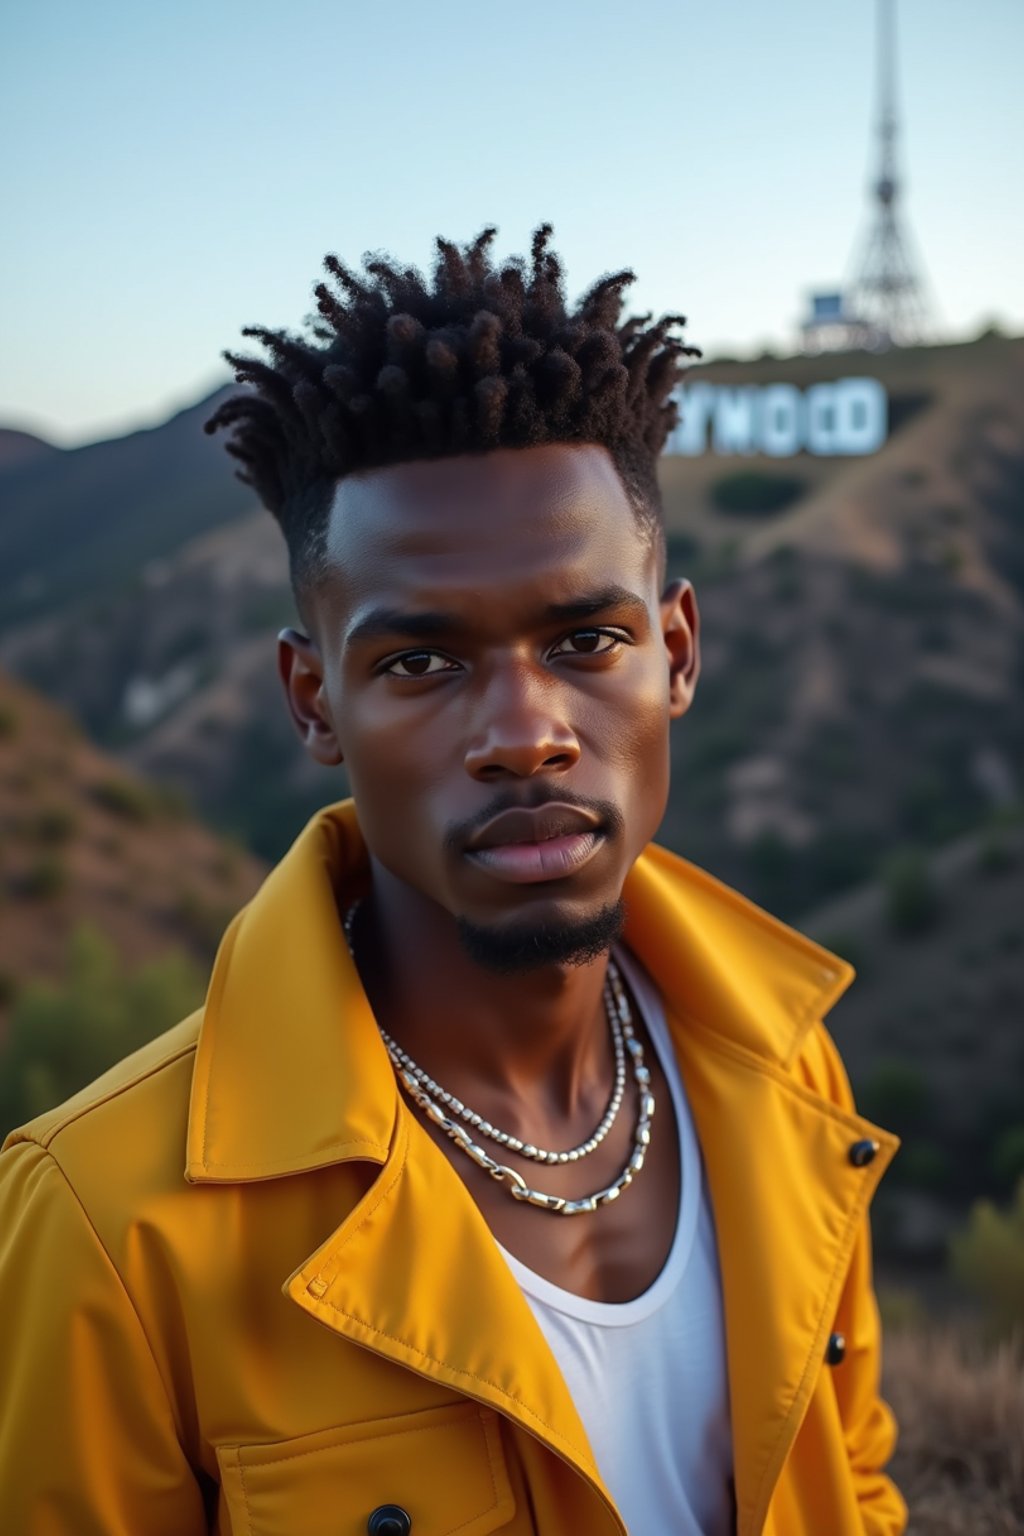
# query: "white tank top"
648,1376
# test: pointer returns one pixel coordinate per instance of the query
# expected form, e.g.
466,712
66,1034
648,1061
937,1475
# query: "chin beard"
529,946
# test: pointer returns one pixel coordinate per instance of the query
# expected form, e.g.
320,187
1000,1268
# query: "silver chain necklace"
435,1101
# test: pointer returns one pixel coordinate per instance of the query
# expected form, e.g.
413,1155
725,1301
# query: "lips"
525,846
542,825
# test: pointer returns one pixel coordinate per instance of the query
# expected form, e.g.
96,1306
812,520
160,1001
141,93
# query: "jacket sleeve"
88,1443
868,1422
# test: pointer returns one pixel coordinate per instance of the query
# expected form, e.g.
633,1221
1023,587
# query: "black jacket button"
862,1153
835,1352
389,1520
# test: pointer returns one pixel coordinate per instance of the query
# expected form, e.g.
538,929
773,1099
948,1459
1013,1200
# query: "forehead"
493,527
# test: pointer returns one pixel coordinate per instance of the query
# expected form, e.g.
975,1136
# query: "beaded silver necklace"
435,1102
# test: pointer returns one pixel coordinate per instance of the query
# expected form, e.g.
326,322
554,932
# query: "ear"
680,628
301,668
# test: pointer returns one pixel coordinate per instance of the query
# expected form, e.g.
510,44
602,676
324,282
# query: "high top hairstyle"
396,369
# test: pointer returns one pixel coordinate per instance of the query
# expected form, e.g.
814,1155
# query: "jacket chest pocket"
443,1467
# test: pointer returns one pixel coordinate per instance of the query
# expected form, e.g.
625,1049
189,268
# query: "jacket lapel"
787,1204
291,1074
742,991
415,1275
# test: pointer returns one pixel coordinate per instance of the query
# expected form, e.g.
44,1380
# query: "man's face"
491,639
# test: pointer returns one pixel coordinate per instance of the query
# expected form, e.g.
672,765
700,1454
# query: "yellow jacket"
241,1290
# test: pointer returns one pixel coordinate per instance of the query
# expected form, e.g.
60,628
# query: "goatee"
529,945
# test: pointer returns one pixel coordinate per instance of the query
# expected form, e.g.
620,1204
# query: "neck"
529,1050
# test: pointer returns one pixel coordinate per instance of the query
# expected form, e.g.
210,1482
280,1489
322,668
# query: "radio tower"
886,300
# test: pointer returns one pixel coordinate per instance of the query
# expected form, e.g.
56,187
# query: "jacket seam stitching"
125,1291
856,1214
798,945
457,1370
430,1429
303,1167
212,1001
328,1273
50,1135
778,1074
386,1434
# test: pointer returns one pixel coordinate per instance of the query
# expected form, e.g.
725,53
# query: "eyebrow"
381,623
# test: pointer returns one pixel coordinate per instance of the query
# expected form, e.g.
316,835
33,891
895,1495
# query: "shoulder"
136,1106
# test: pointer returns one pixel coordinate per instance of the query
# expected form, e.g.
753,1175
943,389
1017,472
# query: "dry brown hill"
862,645
83,839
931,1030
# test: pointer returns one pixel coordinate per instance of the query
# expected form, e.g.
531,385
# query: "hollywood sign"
849,416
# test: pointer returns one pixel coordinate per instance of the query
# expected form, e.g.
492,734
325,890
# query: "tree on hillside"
62,1035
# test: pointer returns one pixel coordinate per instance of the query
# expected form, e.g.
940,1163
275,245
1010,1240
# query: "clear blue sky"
172,172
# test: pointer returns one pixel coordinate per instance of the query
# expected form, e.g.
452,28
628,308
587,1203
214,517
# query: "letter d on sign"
861,412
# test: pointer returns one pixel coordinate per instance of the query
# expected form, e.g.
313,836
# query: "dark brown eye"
418,664
587,642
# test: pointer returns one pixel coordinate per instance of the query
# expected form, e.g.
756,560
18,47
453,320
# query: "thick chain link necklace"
441,1106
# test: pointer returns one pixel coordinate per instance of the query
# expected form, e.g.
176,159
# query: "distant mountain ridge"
862,644
21,449
77,522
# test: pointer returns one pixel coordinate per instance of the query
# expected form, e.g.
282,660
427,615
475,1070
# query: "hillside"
83,841
79,523
930,1032
862,644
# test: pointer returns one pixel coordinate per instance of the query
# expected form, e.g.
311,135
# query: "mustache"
610,819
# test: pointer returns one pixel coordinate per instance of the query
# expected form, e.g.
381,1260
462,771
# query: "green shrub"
1008,1155
45,879
8,988
172,801
141,803
754,491
126,798
839,858
62,1035
683,549
924,1165
896,1095
203,921
996,854
8,721
850,948
900,1307
713,744
54,824
771,863
988,1257
911,902
188,642
922,806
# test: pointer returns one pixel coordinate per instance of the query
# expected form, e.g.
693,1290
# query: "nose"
520,728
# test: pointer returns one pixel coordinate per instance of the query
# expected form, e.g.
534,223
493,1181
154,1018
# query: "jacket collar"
291,1073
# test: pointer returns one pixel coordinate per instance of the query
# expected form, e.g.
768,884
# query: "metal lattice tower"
887,294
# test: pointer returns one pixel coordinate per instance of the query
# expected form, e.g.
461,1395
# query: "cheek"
396,752
643,746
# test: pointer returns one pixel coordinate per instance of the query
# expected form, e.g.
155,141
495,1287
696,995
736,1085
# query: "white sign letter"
734,420
861,416
690,435
781,420
821,419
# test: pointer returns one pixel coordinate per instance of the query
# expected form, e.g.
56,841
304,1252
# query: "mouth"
523,847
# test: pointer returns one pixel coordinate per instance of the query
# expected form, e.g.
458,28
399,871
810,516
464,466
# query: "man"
508,1180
